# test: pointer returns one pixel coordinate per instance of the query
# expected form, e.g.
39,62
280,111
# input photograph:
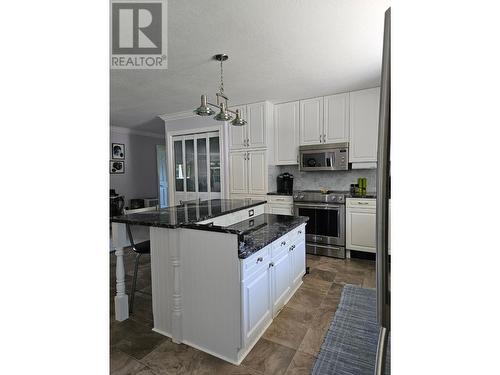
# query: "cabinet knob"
271,264
300,232
283,243
259,259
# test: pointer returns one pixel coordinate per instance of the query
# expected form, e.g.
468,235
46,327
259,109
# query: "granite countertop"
276,193
367,196
188,213
258,232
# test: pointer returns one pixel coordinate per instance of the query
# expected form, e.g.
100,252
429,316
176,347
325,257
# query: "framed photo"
118,151
116,167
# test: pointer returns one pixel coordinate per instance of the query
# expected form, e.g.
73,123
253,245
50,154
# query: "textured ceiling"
278,50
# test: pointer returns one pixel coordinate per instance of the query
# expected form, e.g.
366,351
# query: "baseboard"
161,332
242,355
203,349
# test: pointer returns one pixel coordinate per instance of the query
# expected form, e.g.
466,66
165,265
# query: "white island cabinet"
216,290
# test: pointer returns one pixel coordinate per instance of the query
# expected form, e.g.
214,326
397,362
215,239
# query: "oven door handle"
325,206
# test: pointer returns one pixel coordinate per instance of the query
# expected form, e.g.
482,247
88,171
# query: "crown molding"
122,130
177,116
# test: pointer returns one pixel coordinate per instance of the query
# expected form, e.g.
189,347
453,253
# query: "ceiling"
279,50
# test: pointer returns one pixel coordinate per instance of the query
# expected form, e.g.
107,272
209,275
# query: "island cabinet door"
280,280
257,304
298,261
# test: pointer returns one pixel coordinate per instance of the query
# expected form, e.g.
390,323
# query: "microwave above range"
324,157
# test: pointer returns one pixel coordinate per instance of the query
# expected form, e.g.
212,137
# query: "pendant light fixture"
224,114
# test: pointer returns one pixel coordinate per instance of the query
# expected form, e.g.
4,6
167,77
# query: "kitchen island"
221,271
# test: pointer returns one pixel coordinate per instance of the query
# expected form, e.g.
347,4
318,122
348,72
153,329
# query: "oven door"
326,223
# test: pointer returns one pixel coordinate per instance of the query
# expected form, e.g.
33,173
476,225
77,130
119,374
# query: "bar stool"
139,249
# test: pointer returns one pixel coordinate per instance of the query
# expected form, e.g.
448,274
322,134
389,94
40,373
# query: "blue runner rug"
350,345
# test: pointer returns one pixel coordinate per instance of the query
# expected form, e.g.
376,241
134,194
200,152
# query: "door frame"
223,134
158,175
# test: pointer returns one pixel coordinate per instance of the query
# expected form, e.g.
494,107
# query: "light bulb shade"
223,115
238,121
204,109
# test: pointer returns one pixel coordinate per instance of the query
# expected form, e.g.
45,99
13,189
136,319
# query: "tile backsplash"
333,180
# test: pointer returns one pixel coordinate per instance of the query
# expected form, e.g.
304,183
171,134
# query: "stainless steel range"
325,230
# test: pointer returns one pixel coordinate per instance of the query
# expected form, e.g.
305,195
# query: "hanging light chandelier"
225,114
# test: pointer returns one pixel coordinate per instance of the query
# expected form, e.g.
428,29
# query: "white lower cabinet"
280,209
280,204
280,281
257,304
298,261
270,277
361,224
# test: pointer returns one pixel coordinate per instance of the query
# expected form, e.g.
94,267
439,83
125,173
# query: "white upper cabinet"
324,120
237,134
256,127
255,134
311,121
363,127
286,133
336,118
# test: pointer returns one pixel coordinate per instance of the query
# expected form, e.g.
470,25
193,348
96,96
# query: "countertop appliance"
284,183
324,157
325,230
116,203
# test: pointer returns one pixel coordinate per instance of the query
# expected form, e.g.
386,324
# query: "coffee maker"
116,203
284,183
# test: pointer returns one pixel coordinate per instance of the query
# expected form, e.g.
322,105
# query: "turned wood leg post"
119,237
121,298
177,295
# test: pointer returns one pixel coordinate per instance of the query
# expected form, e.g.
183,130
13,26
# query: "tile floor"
289,346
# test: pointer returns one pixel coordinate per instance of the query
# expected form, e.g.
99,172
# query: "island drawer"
283,199
255,262
297,234
280,245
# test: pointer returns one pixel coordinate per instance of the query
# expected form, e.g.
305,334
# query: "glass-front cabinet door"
197,167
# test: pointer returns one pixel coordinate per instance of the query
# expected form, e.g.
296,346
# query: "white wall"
140,177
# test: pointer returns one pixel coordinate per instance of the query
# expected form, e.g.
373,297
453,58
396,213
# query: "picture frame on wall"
118,151
116,167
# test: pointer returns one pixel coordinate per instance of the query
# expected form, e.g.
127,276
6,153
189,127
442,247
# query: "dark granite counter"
276,193
367,196
258,232
188,213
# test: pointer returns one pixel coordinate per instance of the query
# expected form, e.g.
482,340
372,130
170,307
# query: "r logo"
137,28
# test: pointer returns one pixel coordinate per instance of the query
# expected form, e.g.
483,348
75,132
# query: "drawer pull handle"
259,259
362,202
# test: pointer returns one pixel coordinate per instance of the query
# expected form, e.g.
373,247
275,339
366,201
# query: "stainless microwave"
324,157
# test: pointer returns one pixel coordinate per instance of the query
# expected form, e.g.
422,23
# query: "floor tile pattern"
289,346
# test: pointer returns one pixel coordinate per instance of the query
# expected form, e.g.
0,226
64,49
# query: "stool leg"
134,282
